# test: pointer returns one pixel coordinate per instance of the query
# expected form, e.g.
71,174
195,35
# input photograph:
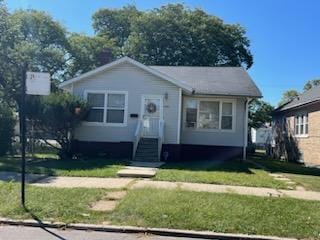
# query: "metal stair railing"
137,136
160,138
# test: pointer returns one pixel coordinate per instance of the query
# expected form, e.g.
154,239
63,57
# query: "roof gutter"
224,95
245,129
278,111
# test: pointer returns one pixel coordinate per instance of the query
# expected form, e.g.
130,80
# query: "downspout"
245,131
179,116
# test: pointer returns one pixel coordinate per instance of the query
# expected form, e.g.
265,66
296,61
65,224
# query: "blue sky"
284,34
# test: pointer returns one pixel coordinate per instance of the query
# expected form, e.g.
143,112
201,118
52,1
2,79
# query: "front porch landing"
137,172
140,170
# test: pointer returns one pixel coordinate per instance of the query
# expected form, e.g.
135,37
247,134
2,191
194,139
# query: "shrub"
55,117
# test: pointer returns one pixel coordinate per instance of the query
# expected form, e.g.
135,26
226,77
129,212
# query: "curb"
131,229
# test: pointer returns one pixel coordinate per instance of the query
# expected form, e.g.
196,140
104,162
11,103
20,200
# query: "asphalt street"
37,233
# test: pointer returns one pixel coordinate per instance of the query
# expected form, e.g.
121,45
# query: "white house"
180,111
261,136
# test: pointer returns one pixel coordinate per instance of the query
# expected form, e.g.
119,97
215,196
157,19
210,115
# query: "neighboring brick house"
300,119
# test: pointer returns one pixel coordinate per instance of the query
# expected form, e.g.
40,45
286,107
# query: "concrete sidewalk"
85,182
242,190
132,183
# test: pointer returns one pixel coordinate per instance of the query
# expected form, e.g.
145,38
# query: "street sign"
33,83
38,83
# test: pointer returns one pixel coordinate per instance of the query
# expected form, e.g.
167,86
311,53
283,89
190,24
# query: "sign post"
33,83
23,136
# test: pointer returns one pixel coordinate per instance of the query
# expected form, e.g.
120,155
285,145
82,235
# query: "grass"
149,207
50,164
51,204
229,173
307,177
219,212
311,183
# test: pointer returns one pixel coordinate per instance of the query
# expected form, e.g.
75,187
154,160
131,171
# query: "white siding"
218,138
126,77
261,136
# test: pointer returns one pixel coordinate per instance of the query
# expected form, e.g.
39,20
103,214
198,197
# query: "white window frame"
86,93
300,120
104,123
220,100
221,115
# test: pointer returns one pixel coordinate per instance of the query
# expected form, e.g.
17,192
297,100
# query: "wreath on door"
151,108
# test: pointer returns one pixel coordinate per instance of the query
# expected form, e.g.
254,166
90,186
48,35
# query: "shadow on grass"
78,164
42,225
274,165
50,166
234,165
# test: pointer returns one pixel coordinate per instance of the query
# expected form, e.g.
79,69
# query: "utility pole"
22,117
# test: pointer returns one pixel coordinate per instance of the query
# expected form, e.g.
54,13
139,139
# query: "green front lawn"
52,165
219,212
229,173
51,204
149,207
307,177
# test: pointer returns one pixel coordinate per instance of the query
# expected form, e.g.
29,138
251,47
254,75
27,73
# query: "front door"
151,115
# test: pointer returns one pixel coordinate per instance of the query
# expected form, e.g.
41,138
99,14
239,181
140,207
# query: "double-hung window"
96,102
301,125
209,114
227,115
107,107
191,113
116,108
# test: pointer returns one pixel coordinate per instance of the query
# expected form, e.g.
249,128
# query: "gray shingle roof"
306,97
234,81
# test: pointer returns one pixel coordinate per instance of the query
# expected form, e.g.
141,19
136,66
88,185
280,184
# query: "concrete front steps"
145,162
147,150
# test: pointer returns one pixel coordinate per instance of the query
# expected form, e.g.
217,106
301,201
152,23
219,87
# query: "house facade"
161,112
261,136
300,121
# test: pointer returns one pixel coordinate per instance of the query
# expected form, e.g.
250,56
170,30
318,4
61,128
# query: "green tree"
176,35
30,40
259,113
87,53
7,123
115,23
288,96
311,83
55,117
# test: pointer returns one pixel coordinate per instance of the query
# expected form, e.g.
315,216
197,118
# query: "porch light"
166,95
